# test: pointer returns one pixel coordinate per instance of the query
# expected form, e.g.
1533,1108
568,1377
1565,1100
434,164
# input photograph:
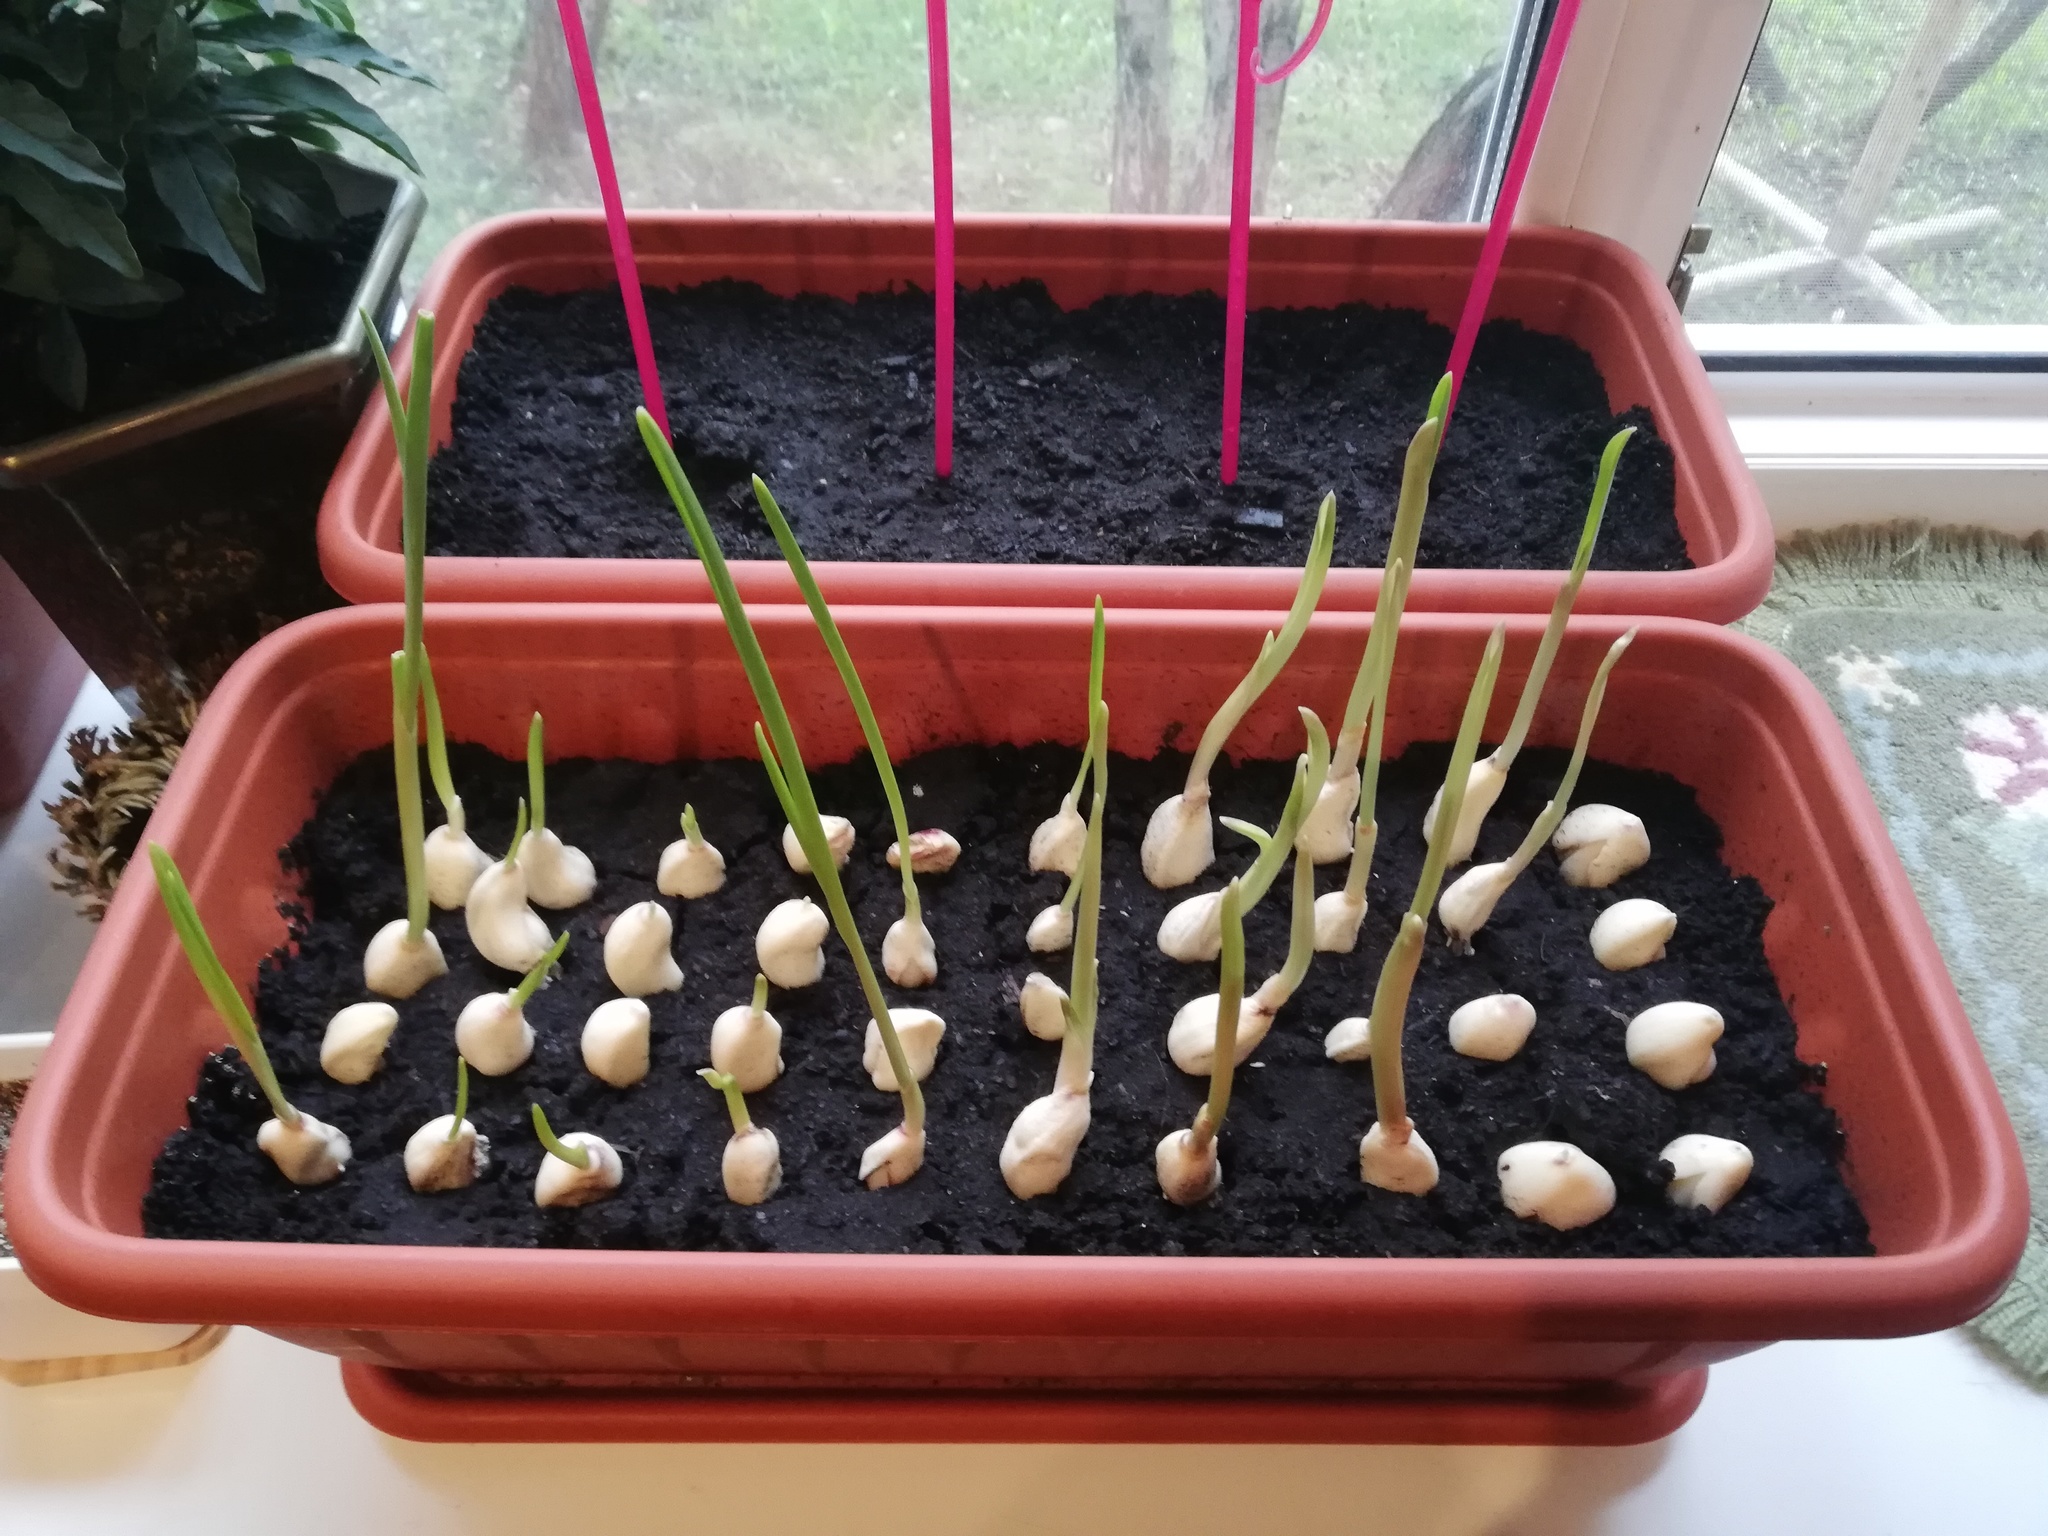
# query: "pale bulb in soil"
637,955
1192,930
397,965
1339,916
751,1165
893,1158
1038,1153
353,1048
492,1034
919,1031
932,852
1706,1171
1401,1165
434,1163
1492,1028
838,838
1555,1183
561,1183
615,1041
1040,1000
1673,1043
1482,788
790,946
505,930
1179,840
453,862
1597,844
1631,934
557,875
1189,1169
1051,931
909,956
310,1152
1057,843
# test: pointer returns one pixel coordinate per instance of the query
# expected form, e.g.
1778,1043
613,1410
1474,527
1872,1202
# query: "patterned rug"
1932,646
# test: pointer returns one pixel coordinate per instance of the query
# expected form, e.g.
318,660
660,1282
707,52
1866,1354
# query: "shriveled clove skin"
353,1048
560,1183
434,1163
1555,1183
1706,1171
638,955
307,1152
932,852
1598,844
790,946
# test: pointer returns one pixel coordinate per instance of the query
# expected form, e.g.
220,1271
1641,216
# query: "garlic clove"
1468,902
1058,841
690,870
1482,788
1632,933
1338,919
790,946
919,1031
397,966
751,1166
636,951
616,1041
1404,1167
1706,1171
1191,1038
1189,1171
434,1163
353,1048
1492,1028
838,837
909,956
492,1035
1326,830
1673,1043
504,929
311,1152
1040,999
932,852
1556,1183
1051,931
1597,844
453,864
557,875
1192,931
563,1183
1179,841
747,1046
1349,1040
893,1158
1038,1153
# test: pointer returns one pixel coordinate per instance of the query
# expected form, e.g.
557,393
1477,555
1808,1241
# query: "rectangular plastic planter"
1929,1151
1559,281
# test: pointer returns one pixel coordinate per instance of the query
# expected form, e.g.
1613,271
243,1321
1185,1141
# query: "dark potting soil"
1290,1148
216,329
1087,436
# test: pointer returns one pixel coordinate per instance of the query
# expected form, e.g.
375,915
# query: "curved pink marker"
942,237
1496,244
1249,78
614,210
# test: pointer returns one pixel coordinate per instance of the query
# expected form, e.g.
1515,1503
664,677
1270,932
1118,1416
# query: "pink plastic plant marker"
1249,78
614,210
1496,244
942,237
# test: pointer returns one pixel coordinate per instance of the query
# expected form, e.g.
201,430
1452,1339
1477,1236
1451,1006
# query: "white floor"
1912,1436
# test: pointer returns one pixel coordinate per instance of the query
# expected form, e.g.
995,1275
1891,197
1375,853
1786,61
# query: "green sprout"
536,774
519,830
405,755
735,1101
1077,1048
461,1096
536,978
213,977
1095,654
1229,1001
1275,846
575,1157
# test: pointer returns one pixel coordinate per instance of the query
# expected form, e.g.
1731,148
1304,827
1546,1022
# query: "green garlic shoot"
1057,842
1490,774
690,867
899,1154
306,1150
492,1032
1179,843
1186,1161
404,955
1470,901
505,930
752,1163
448,1152
578,1168
1392,1155
557,875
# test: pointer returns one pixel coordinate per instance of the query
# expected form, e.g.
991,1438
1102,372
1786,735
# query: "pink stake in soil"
942,237
1249,77
1496,244
614,209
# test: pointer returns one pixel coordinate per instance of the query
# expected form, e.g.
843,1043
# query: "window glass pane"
1887,162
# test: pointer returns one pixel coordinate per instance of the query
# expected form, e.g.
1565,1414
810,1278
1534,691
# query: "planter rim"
288,378
1941,1283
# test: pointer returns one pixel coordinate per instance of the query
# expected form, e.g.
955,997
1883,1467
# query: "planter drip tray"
421,1405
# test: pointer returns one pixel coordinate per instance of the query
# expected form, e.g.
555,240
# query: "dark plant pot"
244,456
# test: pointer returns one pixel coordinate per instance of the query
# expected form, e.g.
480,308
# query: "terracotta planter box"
1930,1154
1562,282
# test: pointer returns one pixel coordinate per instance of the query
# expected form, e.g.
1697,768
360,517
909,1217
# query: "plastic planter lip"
1565,282
1929,1149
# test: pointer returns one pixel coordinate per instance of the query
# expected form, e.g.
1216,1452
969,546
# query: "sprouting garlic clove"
690,869
932,852
1349,1040
453,863
790,946
563,1183
838,837
919,1030
1673,1043
1051,931
637,956
492,1035
311,1152
1040,1000
1597,844
751,1165
1058,841
747,1046
557,876
1180,841
1338,918
1556,1183
353,1048
396,965
1400,1165
434,1163
1632,933
1706,1171
504,929
1482,788
1191,1038
1326,830
1192,930
1492,1028
893,1158
1189,1170
1038,1153
909,957
1468,902
616,1040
